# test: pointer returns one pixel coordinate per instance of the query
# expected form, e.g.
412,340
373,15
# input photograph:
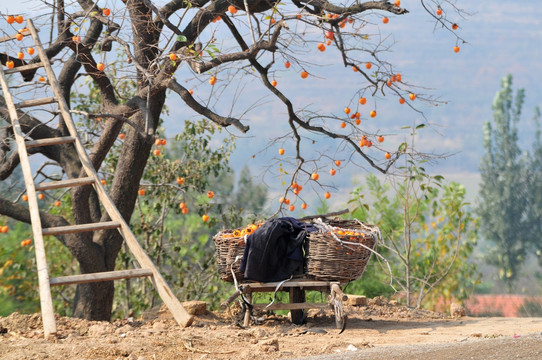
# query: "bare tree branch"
357,8
105,142
251,52
115,116
206,15
291,112
163,17
21,213
131,56
34,129
190,101
175,5
8,165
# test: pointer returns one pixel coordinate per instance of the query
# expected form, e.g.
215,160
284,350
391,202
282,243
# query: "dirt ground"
379,330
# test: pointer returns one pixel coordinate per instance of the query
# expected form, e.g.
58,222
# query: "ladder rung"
103,276
71,229
50,141
37,102
65,183
23,68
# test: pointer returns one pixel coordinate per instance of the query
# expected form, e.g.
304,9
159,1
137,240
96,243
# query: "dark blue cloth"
308,227
295,250
275,250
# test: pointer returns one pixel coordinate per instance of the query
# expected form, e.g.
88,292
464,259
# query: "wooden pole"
336,289
297,296
46,301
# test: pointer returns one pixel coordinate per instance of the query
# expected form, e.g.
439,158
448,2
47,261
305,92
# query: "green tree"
535,189
249,196
428,234
504,187
16,269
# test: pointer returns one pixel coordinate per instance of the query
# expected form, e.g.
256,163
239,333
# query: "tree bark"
94,301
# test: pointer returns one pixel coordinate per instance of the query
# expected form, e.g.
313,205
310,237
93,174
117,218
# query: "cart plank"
291,306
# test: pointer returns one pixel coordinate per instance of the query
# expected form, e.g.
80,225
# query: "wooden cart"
296,288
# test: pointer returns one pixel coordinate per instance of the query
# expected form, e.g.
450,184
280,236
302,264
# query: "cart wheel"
340,317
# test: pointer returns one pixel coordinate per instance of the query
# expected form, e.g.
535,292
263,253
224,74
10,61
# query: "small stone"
73,335
124,329
456,310
151,314
270,345
258,333
357,300
160,326
195,307
351,348
381,301
314,313
375,301
476,335
364,344
273,341
97,330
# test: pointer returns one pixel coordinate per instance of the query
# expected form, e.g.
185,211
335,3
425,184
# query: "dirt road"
526,347
468,338
373,332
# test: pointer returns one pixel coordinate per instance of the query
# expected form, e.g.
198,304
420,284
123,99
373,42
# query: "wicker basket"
328,259
228,247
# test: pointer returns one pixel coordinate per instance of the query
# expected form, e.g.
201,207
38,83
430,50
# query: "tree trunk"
94,301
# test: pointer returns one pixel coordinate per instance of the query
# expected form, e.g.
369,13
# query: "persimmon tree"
204,54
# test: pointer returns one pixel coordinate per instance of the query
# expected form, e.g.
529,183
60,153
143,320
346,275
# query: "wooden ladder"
147,266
